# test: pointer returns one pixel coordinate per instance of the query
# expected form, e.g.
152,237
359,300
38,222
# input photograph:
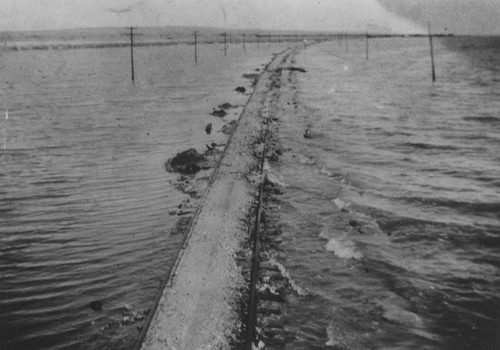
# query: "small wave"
482,119
394,133
421,145
495,184
34,197
468,207
50,182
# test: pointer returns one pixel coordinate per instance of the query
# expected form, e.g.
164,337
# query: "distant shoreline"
97,38
252,38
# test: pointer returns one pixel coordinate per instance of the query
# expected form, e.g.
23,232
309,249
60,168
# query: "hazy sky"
336,15
455,16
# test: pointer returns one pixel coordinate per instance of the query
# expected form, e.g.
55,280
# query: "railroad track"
270,75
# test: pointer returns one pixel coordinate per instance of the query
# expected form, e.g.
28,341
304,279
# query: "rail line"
167,282
255,241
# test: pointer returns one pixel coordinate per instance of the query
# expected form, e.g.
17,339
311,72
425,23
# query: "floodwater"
84,196
391,210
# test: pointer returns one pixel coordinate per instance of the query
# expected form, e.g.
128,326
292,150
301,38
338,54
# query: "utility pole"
244,43
131,34
6,132
195,47
132,52
225,44
366,42
432,53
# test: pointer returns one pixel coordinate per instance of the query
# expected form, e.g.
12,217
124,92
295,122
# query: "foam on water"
343,248
295,287
340,203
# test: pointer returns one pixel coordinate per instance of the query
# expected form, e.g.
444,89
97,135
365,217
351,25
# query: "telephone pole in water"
225,43
195,47
132,52
432,53
366,45
131,35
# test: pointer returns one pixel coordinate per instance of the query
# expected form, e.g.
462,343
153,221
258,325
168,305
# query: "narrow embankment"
201,304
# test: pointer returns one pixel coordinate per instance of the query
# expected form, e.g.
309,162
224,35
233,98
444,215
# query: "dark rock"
187,162
188,189
96,305
252,76
274,233
273,240
219,113
354,223
227,105
181,225
364,230
296,69
273,157
241,89
208,128
308,134
213,149
228,129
